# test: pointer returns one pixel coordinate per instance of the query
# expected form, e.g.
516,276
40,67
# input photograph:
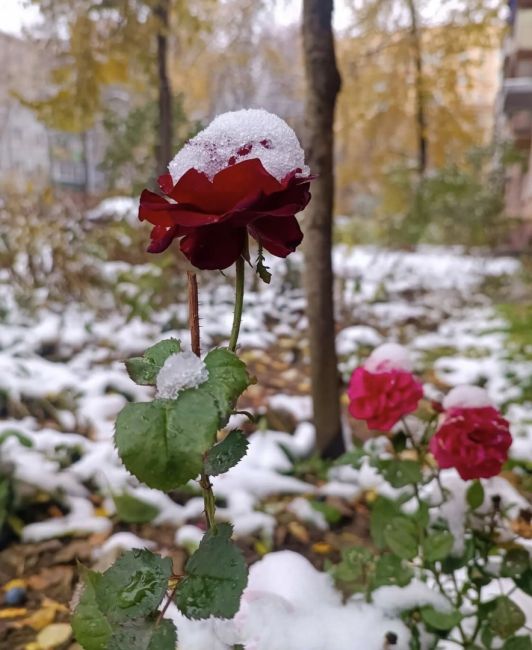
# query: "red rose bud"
245,174
473,437
384,389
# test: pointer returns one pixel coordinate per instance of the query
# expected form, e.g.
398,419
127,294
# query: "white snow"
395,599
289,605
122,542
389,356
304,511
466,397
242,135
180,371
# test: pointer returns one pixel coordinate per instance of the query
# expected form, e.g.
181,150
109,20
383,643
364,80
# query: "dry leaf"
54,635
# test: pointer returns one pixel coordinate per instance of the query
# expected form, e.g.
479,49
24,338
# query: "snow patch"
242,135
389,356
180,371
468,397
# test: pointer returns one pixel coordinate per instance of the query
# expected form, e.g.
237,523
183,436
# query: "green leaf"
9,433
215,577
143,370
117,609
332,515
437,546
91,627
226,454
506,618
391,570
163,443
475,495
228,379
401,536
382,511
400,473
518,643
134,585
144,635
131,510
524,582
354,457
442,621
516,562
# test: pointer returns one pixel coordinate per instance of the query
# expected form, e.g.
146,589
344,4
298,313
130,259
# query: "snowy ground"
62,384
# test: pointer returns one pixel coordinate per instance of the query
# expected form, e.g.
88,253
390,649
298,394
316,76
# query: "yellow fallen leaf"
13,612
32,646
54,635
14,584
322,548
298,531
39,619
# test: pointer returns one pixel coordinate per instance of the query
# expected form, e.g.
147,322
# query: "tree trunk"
421,116
323,85
164,145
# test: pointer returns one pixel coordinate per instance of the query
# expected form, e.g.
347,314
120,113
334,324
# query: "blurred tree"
323,85
116,42
132,140
417,91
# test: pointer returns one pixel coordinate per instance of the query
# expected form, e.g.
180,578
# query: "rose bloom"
243,175
384,389
473,437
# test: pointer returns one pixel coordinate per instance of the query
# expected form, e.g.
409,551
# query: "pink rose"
384,389
474,440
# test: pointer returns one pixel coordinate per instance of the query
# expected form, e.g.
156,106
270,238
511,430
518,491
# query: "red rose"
475,441
383,398
244,174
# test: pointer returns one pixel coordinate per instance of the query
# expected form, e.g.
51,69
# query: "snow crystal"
466,397
242,135
389,356
180,371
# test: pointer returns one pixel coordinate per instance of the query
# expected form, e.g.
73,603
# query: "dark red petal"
162,237
234,184
279,235
214,247
166,183
159,212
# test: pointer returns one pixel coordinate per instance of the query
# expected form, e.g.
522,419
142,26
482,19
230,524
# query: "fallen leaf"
13,612
54,635
298,531
43,616
14,584
322,548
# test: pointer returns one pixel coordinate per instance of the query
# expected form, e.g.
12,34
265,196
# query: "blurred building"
30,153
516,110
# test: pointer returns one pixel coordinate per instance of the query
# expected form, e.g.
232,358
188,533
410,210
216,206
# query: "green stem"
239,303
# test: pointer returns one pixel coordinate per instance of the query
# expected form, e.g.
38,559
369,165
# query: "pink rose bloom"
473,437
384,389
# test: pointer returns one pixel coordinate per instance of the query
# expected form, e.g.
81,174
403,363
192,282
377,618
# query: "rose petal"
214,247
